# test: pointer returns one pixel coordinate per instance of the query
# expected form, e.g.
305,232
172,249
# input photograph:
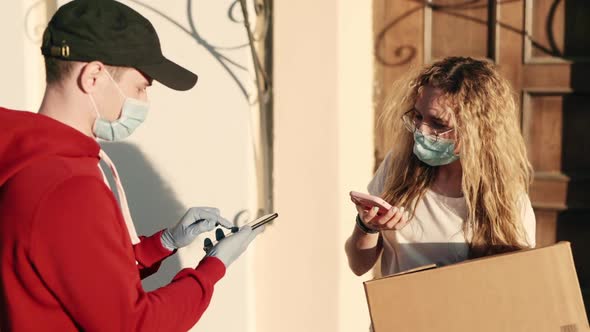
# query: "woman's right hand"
395,219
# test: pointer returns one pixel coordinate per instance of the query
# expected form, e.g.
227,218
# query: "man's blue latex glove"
194,222
228,249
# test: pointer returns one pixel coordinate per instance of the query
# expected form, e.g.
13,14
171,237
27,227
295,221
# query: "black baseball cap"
114,34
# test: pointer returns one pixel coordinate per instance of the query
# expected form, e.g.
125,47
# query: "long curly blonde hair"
496,170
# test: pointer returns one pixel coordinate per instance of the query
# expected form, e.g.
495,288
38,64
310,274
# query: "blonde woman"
457,174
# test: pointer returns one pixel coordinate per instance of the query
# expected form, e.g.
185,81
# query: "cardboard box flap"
418,269
533,290
563,246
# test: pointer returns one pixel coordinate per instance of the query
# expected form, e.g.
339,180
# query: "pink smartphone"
369,201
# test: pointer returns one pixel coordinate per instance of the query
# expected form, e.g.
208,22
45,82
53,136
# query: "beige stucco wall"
323,149
196,149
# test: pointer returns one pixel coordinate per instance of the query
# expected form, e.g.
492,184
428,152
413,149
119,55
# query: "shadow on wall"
152,202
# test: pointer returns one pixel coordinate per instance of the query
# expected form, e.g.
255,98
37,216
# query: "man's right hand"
196,220
229,248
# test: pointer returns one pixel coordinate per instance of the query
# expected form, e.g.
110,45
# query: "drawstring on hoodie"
121,194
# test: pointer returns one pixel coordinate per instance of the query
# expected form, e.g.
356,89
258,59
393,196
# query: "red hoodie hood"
26,137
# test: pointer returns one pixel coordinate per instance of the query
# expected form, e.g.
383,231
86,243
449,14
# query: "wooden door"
543,47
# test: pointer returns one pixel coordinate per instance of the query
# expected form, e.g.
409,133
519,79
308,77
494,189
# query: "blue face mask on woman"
434,152
134,113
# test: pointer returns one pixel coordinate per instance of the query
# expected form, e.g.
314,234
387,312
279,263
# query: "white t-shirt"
435,234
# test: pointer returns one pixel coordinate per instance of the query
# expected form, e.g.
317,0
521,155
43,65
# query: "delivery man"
69,256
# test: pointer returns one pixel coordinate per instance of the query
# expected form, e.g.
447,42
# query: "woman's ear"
89,76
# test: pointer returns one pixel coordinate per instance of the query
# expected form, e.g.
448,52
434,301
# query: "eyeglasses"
412,123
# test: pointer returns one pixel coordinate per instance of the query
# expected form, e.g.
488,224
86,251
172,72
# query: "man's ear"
89,75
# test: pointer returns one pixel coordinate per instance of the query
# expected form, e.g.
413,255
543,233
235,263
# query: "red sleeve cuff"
150,250
214,268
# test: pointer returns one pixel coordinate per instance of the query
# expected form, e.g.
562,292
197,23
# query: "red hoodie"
66,258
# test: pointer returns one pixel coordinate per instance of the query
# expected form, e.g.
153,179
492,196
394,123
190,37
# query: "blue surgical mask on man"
434,152
133,113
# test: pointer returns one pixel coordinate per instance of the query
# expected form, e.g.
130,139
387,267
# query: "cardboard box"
532,290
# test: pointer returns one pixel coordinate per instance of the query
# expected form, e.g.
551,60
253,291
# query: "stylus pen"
268,219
